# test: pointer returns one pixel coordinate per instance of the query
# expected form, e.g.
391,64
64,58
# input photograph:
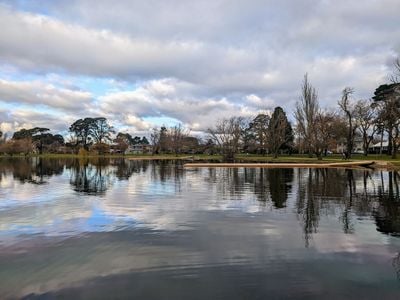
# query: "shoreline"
353,164
295,160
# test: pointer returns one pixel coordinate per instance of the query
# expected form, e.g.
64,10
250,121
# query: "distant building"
357,147
139,149
376,148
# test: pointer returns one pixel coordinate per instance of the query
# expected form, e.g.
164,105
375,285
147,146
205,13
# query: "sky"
148,63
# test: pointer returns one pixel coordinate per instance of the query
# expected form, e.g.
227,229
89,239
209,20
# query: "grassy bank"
127,156
295,158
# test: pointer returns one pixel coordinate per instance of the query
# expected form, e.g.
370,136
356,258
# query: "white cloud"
28,118
137,123
36,93
195,112
40,43
191,61
6,127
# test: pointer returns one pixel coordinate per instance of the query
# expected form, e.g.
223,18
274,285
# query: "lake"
130,229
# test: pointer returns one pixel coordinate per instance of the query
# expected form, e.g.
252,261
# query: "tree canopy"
91,130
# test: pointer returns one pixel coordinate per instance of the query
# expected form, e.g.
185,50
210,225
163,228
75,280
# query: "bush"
101,148
22,146
83,152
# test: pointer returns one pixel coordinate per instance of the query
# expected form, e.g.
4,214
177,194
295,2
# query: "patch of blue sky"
99,221
162,121
102,86
97,86
155,191
28,6
11,73
40,108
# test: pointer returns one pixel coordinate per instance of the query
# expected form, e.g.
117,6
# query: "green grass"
136,156
298,158
295,158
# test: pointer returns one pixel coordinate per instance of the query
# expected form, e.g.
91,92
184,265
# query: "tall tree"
29,133
387,97
144,141
395,76
3,137
81,128
100,130
177,135
164,142
348,109
90,130
366,118
327,131
306,111
136,140
226,134
279,131
122,143
155,140
257,133
125,137
37,135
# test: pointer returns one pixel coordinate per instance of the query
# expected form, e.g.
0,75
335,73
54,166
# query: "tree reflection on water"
92,177
348,193
354,193
31,170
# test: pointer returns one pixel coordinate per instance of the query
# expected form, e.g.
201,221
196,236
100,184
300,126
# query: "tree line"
315,131
86,135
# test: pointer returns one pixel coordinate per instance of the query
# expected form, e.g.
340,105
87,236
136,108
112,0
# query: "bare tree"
227,134
395,76
155,140
348,109
177,135
256,135
390,117
122,143
306,112
326,132
100,130
3,138
366,118
329,128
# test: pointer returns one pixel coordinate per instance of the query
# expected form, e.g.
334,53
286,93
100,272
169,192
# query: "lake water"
117,229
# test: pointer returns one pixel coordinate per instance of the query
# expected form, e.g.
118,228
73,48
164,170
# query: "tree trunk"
394,145
390,141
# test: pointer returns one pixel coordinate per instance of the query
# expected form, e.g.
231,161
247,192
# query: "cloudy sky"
148,63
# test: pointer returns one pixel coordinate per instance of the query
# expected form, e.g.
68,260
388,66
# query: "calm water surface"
116,229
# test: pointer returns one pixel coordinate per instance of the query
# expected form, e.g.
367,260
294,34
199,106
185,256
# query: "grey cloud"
161,98
198,60
222,67
308,23
29,118
37,93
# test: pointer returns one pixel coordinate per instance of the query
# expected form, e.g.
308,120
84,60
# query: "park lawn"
299,158
127,156
295,158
